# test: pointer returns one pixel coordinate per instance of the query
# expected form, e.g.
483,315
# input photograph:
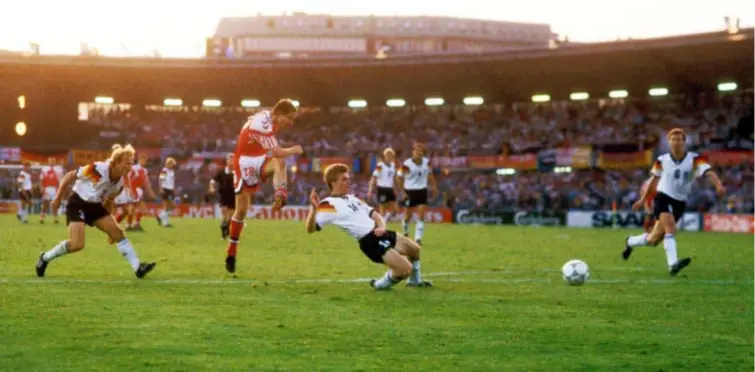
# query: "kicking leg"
277,167
669,245
645,239
399,269
74,243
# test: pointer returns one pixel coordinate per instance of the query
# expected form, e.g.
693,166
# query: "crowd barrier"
716,222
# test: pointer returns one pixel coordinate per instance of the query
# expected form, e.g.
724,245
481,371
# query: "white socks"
638,240
385,282
415,278
669,244
164,217
419,230
405,225
127,250
57,251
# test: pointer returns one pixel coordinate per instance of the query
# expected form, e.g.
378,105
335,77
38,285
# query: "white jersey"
677,175
93,183
385,174
414,175
347,212
24,181
167,179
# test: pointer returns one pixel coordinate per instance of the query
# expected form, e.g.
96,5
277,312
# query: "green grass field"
302,303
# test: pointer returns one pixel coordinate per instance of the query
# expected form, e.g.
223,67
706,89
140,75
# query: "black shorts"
25,195
167,194
79,210
415,198
374,247
227,200
663,203
385,195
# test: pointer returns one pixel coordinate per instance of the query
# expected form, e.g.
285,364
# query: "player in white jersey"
354,216
94,189
416,174
671,177
384,177
167,182
24,192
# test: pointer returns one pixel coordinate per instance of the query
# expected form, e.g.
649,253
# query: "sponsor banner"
183,210
10,154
519,162
8,207
521,218
575,157
58,158
449,162
729,157
299,213
731,223
83,157
625,220
624,160
301,44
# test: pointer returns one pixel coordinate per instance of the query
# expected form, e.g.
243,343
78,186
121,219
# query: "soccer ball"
575,272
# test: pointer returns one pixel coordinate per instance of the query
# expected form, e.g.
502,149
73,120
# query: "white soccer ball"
575,272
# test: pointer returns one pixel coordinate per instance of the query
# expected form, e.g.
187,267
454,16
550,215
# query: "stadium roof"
687,63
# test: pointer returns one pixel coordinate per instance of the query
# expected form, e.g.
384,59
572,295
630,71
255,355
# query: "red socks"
233,241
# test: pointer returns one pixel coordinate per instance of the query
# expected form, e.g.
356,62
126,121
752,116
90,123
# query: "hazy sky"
178,28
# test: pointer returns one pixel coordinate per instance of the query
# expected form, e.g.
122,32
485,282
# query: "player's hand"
298,150
314,199
721,191
637,205
55,204
380,231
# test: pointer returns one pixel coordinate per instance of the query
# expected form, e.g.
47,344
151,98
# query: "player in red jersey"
139,182
649,218
257,156
48,183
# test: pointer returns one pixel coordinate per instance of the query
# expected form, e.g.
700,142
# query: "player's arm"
713,177
148,186
65,184
400,179
378,218
314,203
109,203
284,152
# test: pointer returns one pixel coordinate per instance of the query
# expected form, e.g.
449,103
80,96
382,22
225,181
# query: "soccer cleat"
627,250
144,269
280,201
41,265
230,264
422,284
679,265
372,283
138,228
419,241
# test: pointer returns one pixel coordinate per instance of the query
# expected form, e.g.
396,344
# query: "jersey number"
353,207
678,174
385,243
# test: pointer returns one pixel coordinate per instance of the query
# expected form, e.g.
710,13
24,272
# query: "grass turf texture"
499,303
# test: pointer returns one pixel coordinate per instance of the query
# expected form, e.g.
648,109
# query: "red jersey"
138,176
49,178
257,137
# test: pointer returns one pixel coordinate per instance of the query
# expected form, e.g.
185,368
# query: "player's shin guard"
419,230
57,251
415,277
233,241
127,250
669,244
386,281
638,240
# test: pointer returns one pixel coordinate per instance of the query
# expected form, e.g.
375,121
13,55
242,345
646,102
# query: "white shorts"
123,198
249,172
138,197
50,193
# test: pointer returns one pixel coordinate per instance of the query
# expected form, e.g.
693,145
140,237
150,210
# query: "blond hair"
332,172
388,151
169,160
119,152
676,131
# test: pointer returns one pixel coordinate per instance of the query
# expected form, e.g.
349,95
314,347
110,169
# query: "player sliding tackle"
94,189
351,214
671,176
257,157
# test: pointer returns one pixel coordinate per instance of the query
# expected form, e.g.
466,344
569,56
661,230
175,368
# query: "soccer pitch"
302,302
